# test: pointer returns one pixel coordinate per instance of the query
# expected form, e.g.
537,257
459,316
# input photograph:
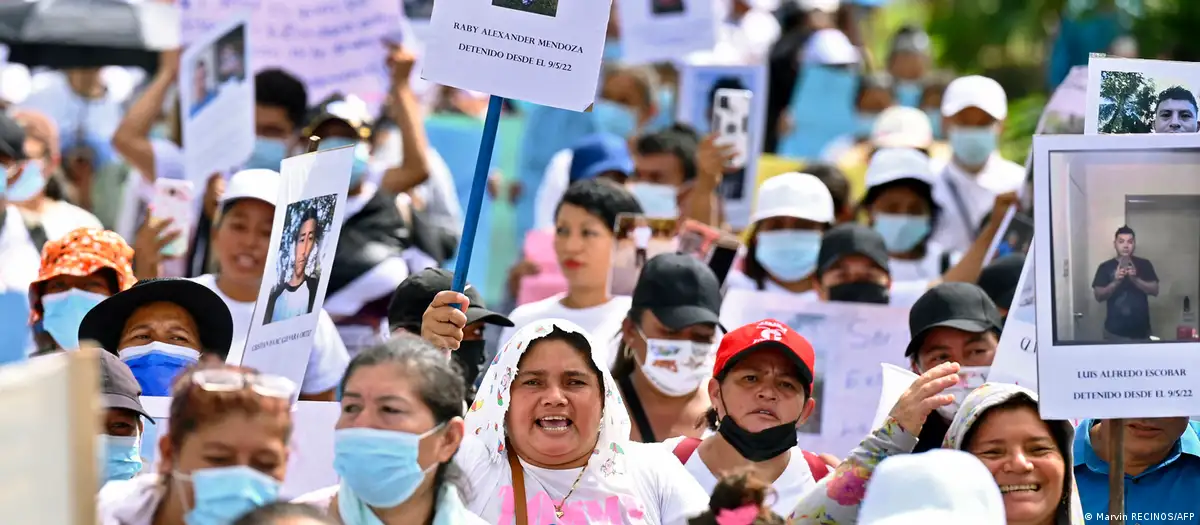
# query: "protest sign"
822,110
308,222
1015,235
1016,354
1126,95
310,452
50,466
1102,288
332,46
664,30
639,239
850,341
217,101
697,88
1064,112
542,51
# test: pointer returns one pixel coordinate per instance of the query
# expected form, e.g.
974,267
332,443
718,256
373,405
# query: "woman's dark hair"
577,341
274,513
736,490
923,190
437,380
603,199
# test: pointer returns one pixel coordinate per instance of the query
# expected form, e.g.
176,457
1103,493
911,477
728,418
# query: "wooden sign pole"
1115,433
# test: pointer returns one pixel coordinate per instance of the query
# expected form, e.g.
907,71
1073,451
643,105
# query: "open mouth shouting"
765,413
554,424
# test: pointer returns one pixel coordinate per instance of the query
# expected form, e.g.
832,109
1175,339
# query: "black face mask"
761,445
470,356
861,292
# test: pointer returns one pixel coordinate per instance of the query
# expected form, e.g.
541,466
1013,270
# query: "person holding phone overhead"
1124,283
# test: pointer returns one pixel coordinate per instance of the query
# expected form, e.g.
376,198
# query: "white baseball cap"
828,6
955,488
261,184
975,92
798,195
830,47
902,127
892,164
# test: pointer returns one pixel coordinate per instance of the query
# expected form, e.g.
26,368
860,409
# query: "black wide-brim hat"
106,321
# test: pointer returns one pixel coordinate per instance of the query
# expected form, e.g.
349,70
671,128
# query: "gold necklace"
558,512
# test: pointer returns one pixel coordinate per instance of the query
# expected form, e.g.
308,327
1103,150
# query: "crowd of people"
579,406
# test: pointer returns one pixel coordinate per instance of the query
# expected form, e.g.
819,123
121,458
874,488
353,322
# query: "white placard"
665,30
542,51
1082,185
1123,96
332,46
850,341
697,87
310,452
217,101
303,242
1016,355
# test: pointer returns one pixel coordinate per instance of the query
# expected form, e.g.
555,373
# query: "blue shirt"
1171,486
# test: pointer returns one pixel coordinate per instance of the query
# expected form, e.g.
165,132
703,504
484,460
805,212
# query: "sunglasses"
266,385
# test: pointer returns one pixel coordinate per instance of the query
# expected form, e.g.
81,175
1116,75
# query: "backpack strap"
817,465
945,262
685,448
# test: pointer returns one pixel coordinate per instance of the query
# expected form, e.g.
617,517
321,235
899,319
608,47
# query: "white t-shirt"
795,480
292,303
603,322
327,361
661,490
926,269
554,184
60,218
641,236
977,193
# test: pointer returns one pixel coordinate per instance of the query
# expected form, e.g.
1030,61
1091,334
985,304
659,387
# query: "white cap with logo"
975,92
892,164
798,195
260,184
902,127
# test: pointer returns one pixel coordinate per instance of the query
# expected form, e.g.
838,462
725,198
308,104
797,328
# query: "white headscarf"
486,417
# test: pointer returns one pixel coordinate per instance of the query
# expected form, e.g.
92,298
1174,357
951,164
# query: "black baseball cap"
118,387
851,239
106,321
415,293
12,138
680,290
953,305
999,279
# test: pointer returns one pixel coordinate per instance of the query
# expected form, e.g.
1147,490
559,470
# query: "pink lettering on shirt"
541,510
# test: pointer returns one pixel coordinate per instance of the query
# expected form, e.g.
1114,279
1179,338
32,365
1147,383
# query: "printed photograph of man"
202,89
1175,111
1125,283
295,296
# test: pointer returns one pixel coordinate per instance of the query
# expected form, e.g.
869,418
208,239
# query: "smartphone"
731,122
173,199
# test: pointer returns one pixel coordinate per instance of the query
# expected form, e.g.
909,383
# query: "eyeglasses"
224,380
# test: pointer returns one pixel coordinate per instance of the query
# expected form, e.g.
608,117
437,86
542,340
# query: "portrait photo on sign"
700,107
298,267
204,86
666,7
1014,236
1142,96
419,10
537,7
639,239
230,56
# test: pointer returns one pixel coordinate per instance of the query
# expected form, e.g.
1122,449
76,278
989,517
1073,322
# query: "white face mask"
676,368
658,201
969,378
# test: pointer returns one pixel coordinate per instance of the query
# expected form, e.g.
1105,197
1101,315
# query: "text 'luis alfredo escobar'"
517,57
1162,373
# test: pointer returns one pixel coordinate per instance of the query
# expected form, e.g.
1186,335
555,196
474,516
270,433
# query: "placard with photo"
217,102
664,30
1117,259
1127,95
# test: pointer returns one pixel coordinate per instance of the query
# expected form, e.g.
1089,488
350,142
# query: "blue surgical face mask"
666,111
224,494
864,123
29,183
935,122
614,118
902,233
908,93
362,154
63,312
120,456
788,255
658,201
380,466
268,154
157,364
973,145
612,50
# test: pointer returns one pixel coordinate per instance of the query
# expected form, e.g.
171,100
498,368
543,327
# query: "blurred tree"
1126,102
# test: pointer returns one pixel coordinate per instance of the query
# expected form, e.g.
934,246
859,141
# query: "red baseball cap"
760,335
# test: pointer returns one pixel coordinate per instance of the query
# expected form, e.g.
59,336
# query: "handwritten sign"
850,341
334,46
